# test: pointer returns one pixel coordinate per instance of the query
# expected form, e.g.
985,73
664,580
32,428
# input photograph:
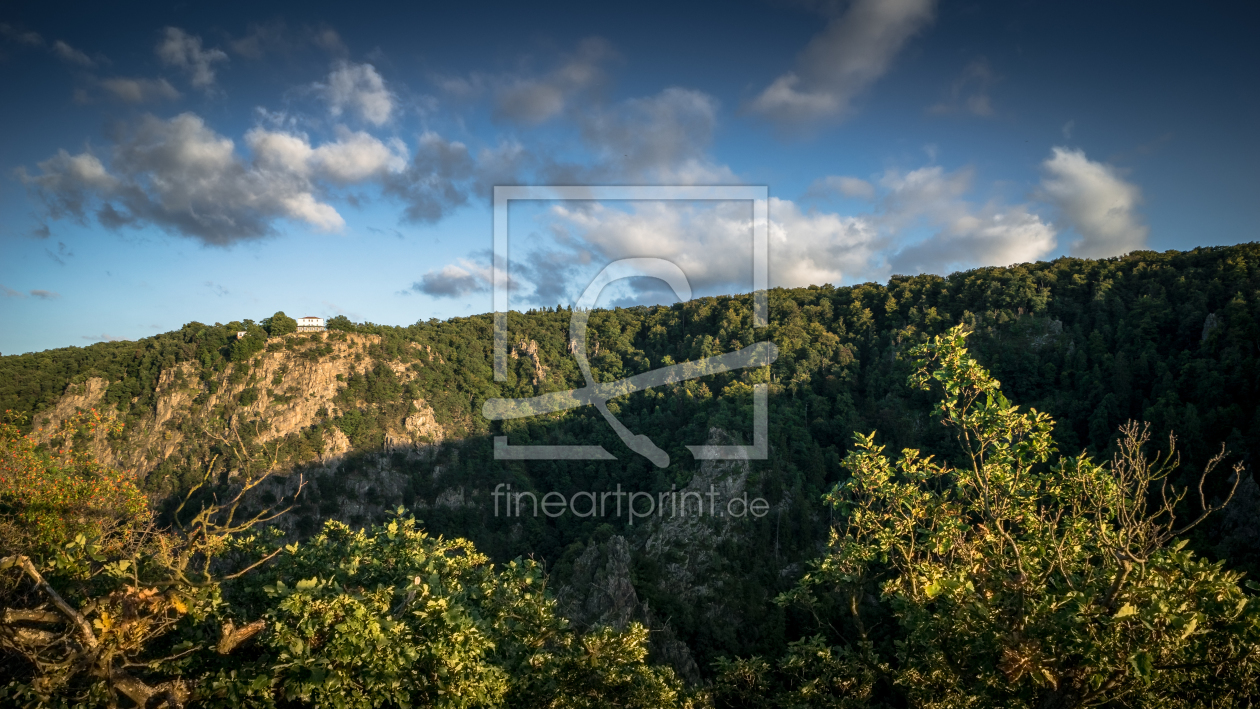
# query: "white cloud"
1096,202
437,180
455,280
969,93
353,157
130,90
184,51
710,242
815,247
962,235
69,54
534,100
853,51
993,236
358,88
67,183
183,177
920,221
662,138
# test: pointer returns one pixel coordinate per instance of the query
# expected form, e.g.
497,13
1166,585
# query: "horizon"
610,307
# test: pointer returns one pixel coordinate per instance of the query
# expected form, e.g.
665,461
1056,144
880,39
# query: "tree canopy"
1016,578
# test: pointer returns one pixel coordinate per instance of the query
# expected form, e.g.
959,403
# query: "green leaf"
1143,664
1125,611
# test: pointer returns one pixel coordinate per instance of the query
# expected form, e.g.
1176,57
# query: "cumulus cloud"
919,221
535,100
854,51
663,138
443,174
182,176
358,89
710,241
68,183
71,55
105,337
354,157
992,236
455,280
963,236
969,93
131,90
182,50
1095,202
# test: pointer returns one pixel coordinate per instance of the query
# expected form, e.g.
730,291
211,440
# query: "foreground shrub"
1016,579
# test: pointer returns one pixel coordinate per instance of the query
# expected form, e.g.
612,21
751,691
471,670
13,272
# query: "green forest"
1003,487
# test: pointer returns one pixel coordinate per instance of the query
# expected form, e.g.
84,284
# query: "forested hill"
385,415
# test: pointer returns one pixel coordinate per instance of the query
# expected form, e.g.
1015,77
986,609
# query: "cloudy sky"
172,163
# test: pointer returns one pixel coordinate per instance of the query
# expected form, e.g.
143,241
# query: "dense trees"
47,497
1015,579
279,325
1167,338
209,612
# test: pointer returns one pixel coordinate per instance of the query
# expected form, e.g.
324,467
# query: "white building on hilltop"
310,324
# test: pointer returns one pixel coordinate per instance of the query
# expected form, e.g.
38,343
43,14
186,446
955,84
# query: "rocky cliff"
285,391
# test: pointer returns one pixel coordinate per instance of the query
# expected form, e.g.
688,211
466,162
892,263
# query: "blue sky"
162,164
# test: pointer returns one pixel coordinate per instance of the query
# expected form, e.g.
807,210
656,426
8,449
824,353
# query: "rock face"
1210,323
687,548
529,349
691,575
420,434
601,594
293,389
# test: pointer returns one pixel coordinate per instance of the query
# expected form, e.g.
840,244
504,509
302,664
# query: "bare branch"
84,627
232,637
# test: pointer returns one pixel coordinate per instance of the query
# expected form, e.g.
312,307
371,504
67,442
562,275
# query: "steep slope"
272,405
